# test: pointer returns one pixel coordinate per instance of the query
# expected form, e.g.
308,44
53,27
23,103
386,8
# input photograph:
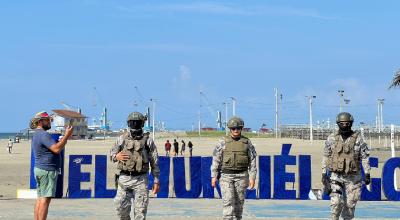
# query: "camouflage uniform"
233,186
345,188
134,187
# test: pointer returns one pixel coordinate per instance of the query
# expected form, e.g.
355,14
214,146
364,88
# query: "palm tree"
396,80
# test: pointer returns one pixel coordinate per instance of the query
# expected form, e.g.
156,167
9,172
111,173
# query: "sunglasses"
236,128
47,119
135,124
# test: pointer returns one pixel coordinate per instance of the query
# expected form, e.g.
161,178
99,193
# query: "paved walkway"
195,209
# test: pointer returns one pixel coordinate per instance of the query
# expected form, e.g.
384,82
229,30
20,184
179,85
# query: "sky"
92,54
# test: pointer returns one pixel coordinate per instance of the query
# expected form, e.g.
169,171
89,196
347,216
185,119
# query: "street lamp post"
201,93
154,116
233,106
380,114
277,98
341,99
346,102
199,123
276,113
310,101
226,117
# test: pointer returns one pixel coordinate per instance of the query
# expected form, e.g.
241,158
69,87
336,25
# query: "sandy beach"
15,175
15,167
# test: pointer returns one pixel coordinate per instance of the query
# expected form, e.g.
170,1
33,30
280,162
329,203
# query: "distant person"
47,161
190,145
183,148
10,145
167,148
176,148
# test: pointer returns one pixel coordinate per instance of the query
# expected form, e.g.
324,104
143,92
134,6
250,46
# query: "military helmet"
344,116
136,116
235,122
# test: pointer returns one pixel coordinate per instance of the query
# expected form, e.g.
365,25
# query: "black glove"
367,179
326,183
325,178
116,177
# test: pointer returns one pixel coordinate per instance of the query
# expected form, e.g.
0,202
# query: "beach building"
63,118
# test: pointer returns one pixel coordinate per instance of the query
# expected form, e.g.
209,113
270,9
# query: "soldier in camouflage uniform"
134,152
234,165
344,151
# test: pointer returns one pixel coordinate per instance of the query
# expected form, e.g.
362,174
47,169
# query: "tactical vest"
344,159
138,151
235,157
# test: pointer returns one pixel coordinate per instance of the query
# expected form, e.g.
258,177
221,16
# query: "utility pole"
200,113
199,124
154,116
276,112
280,110
380,114
226,117
378,117
233,106
346,101
382,101
392,131
341,99
310,101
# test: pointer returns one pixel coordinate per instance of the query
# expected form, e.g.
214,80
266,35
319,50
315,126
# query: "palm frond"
396,80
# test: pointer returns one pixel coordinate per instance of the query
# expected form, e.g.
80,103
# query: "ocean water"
7,135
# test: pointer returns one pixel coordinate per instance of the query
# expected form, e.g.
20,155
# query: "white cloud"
165,47
197,7
182,84
185,73
228,9
298,12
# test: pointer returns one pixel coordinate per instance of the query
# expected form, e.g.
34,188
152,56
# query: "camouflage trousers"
233,189
132,187
346,191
